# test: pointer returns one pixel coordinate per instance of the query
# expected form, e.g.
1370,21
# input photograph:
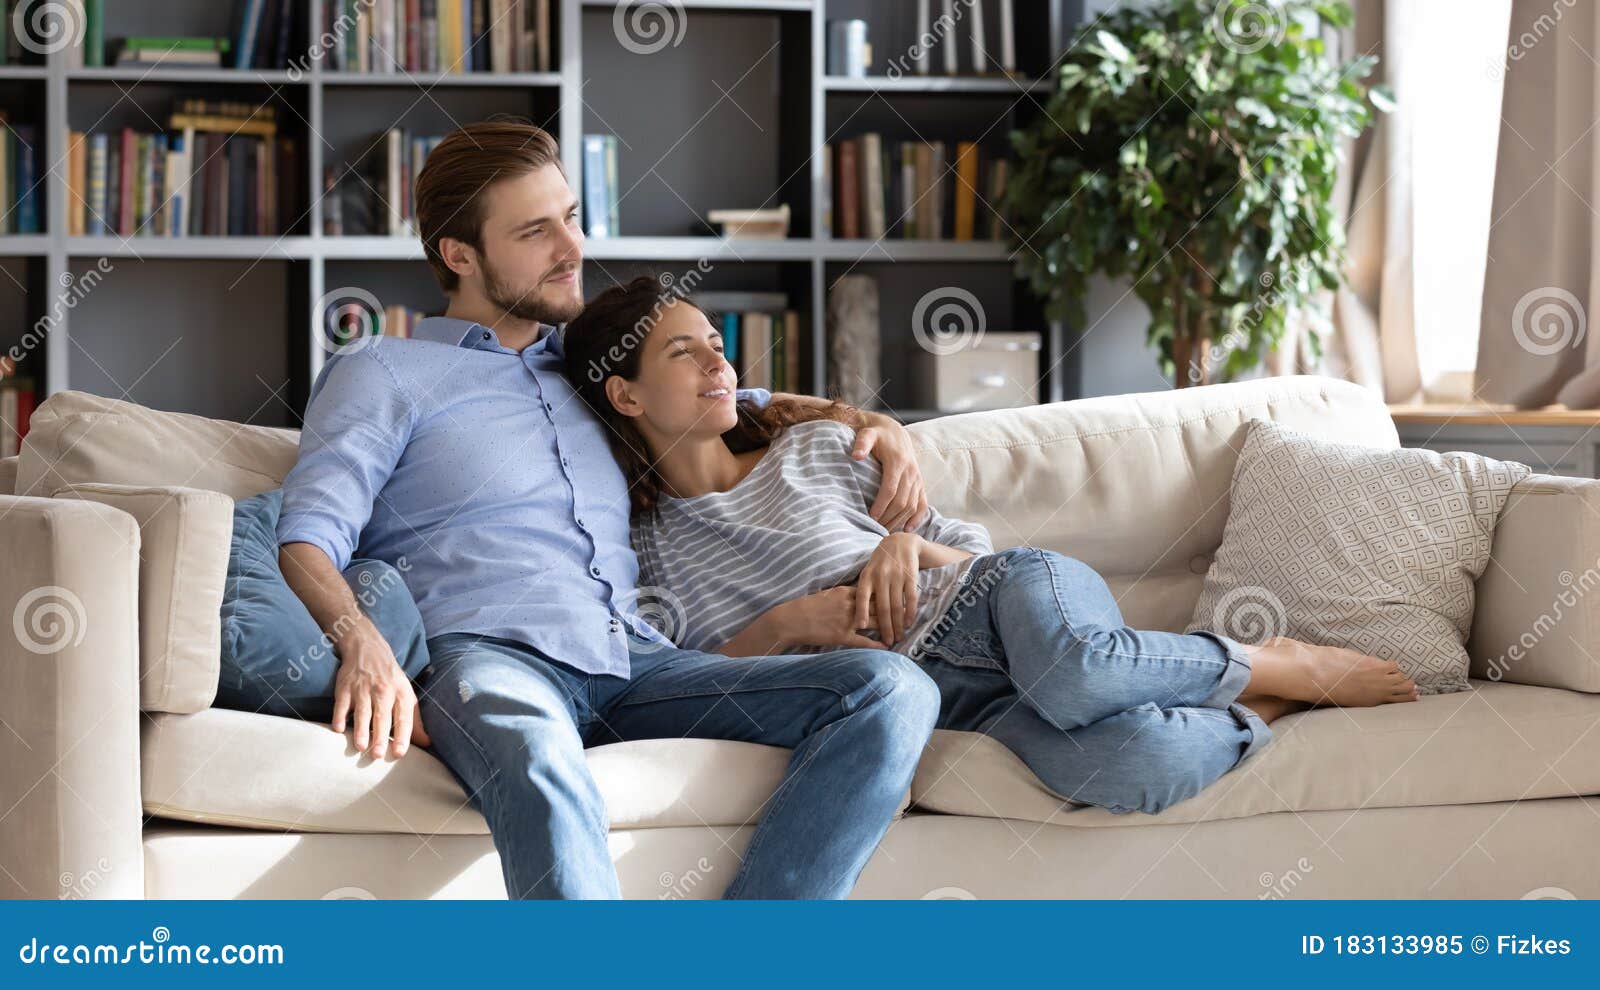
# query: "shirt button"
579,520
548,407
595,571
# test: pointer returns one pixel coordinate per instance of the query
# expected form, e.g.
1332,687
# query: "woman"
753,525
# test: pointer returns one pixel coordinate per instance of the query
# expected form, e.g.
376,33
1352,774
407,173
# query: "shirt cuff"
336,551
758,397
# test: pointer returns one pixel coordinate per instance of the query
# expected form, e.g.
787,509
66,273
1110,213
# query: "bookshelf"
731,116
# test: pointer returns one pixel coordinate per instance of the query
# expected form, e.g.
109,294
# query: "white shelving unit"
808,260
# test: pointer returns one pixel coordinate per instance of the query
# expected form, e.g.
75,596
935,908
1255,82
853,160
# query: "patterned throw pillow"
1375,550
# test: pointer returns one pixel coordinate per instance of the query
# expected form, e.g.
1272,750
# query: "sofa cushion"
183,560
265,771
8,475
1494,742
76,437
1375,550
1136,486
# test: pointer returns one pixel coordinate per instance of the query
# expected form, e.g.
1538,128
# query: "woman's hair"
608,338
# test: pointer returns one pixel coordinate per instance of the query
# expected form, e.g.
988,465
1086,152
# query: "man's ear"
621,399
459,256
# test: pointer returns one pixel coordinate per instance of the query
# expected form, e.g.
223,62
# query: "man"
465,453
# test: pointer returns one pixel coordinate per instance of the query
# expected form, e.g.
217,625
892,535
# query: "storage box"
993,371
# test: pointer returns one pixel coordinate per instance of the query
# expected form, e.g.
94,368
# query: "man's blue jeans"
1035,653
512,724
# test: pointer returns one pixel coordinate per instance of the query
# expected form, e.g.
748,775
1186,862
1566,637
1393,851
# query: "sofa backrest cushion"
75,437
183,564
8,475
1134,485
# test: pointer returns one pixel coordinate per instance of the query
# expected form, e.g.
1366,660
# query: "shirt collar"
466,333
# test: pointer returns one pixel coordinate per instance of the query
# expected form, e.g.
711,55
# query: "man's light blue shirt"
481,475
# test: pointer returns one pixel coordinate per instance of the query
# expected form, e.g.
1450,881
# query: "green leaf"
1382,97
1113,47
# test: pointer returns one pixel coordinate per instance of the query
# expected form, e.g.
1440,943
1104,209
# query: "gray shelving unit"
225,326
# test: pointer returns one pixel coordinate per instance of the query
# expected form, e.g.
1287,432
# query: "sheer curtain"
1535,346
1416,193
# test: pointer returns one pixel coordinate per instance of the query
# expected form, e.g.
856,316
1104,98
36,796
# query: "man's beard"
527,304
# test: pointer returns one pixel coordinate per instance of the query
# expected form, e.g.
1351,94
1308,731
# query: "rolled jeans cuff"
1234,677
1260,735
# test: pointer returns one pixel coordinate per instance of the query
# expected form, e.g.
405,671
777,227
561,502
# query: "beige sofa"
118,780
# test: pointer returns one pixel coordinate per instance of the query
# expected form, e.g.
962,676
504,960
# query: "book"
966,190
94,33
94,222
25,194
826,192
765,224
999,175
596,194
872,191
77,182
849,209
1008,36
791,352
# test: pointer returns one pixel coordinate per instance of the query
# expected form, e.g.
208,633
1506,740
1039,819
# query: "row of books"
224,171
601,209
16,408
760,337
376,195
434,36
265,34
912,190
19,177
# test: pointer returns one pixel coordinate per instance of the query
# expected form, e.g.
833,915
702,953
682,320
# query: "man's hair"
450,188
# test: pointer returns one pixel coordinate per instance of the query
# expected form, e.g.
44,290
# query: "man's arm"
902,500
357,424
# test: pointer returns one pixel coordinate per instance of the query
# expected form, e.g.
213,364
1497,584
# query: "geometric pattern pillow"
1343,545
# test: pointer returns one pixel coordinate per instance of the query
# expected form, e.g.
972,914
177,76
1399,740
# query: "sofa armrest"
71,819
1537,619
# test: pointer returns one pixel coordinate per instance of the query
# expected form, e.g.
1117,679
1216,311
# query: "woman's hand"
826,618
887,586
902,500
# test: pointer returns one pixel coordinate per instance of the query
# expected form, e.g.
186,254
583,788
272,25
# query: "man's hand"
887,586
902,500
373,688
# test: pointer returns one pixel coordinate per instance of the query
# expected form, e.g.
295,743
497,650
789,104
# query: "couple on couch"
526,484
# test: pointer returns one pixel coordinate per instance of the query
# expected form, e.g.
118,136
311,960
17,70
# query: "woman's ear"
621,399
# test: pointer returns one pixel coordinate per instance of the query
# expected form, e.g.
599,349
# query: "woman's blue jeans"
1034,652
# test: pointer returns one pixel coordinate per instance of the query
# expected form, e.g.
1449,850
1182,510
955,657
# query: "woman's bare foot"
1325,675
1270,709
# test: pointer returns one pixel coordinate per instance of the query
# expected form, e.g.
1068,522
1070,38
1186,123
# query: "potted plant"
1193,145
